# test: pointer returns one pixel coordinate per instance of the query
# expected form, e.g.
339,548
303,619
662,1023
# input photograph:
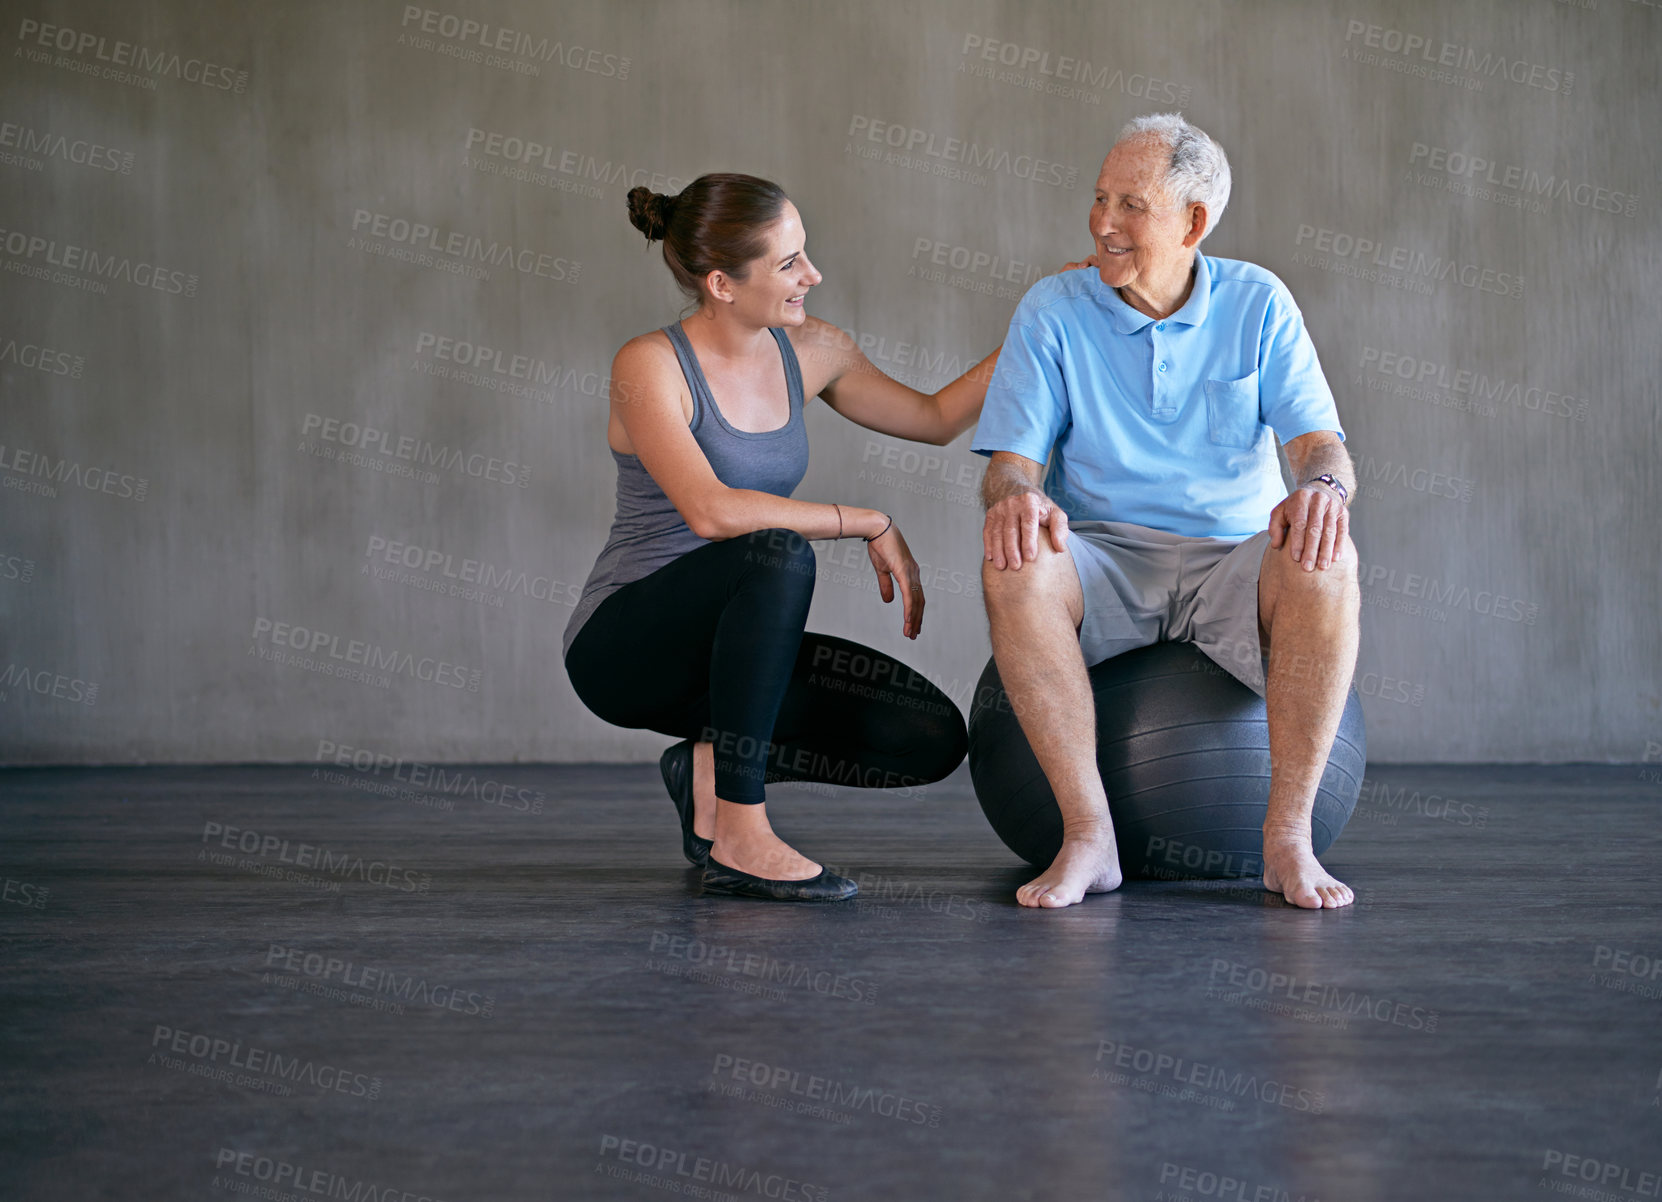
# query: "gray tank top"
648,531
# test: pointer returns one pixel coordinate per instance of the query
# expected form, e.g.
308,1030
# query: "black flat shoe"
677,766
827,886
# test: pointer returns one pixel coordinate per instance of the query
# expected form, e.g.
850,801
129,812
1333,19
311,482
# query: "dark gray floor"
561,1016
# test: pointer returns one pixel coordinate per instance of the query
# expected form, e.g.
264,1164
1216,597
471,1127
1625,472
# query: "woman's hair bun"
718,222
650,211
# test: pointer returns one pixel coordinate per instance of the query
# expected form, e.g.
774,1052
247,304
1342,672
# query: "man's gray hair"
1198,170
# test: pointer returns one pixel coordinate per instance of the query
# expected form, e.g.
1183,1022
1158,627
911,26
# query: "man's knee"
1337,582
1341,575
1035,579
1345,559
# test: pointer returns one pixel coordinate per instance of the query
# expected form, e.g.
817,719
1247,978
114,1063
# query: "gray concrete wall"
210,292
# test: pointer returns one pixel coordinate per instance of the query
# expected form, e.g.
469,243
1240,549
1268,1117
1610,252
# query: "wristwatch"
1327,479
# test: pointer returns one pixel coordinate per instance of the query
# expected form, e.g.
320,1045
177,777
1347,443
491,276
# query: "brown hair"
716,223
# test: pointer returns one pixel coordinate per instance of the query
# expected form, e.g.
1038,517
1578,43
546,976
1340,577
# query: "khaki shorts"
1144,586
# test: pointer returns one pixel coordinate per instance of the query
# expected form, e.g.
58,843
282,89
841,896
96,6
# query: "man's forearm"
1329,460
1005,480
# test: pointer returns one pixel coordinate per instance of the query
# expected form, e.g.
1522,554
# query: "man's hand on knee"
1010,536
1312,522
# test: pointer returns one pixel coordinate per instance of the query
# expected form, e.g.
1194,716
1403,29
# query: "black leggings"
711,647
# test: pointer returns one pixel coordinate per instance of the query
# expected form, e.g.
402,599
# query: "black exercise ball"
1184,752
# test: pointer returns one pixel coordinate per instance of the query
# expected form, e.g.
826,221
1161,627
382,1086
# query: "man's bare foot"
1089,862
704,791
1292,870
744,840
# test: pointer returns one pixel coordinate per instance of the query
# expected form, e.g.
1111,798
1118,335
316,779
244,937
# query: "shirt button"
1162,366
1159,325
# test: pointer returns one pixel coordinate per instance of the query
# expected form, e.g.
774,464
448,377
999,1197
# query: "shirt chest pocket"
1232,411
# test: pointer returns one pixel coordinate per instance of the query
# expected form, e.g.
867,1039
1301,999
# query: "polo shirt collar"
1128,320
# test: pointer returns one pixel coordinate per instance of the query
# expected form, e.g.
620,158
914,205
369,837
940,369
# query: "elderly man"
1151,384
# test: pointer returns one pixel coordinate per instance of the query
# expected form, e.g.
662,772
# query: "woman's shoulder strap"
690,371
793,369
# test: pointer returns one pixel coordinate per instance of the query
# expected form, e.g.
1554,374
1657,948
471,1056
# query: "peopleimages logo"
118,53
1056,74
473,579
1370,471
430,776
330,970
372,657
481,42
419,238
33,249
286,1174
1638,1182
45,682
1267,983
974,270
1524,183
1377,794
17,567
1442,594
714,960
812,1088
664,1165
1339,247
497,370
50,472
27,141
1424,54
1484,392
583,170
368,440
923,145
42,358
1154,1064
221,1056
345,865
1201,1183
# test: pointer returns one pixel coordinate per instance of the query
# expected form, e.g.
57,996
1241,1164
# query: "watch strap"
1327,479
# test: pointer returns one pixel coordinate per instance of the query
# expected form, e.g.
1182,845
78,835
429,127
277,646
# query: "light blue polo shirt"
1162,423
